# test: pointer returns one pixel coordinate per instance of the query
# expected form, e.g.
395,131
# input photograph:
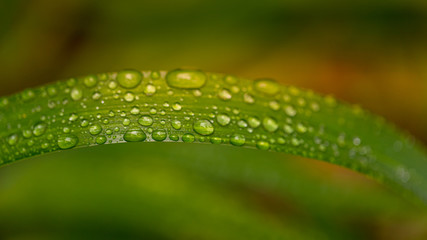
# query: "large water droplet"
67,141
176,124
186,79
267,86
203,127
263,145
129,78
135,135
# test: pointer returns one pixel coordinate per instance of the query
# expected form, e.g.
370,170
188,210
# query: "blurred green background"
372,53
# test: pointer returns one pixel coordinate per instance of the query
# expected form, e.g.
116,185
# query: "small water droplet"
76,94
12,139
274,105
288,129
145,120
159,135
150,90
67,141
223,119
39,129
248,98
129,78
230,79
263,145
270,124
301,128
237,139
186,79
242,124
90,81
203,127
254,122
176,106
290,111
267,86
135,134
129,97
224,94
188,138
176,124
95,129
101,140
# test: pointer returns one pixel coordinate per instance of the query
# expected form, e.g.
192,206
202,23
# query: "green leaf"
194,106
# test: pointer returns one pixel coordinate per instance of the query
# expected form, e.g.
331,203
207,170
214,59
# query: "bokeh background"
372,53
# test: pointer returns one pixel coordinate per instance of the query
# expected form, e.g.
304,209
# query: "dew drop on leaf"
67,141
186,79
134,134
129,78
266,86
203,127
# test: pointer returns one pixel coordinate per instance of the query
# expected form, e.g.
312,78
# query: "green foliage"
193,106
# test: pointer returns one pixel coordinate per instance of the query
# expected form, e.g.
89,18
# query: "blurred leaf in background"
368,52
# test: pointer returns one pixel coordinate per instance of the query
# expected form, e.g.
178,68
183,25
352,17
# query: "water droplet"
242,124
112,85
126,122
248,98
135,134
145,120
288,129
267,86
76,94
159,135
274,105
176,107
224,94
135,110
150,89
95,129
39,129
174,137
155,75
84,123
129,97
216,140
67,141
176,124
254,122
188,138
28,95
90,81
96,95
101,140
290,111
356,141
51,91
27,133
270,124
129,78
223,119
301,128
263,145
203,127
186,79
237,140
12,139
230,79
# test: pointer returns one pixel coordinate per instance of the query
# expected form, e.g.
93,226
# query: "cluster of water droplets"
179,105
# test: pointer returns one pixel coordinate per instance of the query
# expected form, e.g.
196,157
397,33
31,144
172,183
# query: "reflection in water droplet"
267,86
67,141
203,127
129,78
135,134
186,79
